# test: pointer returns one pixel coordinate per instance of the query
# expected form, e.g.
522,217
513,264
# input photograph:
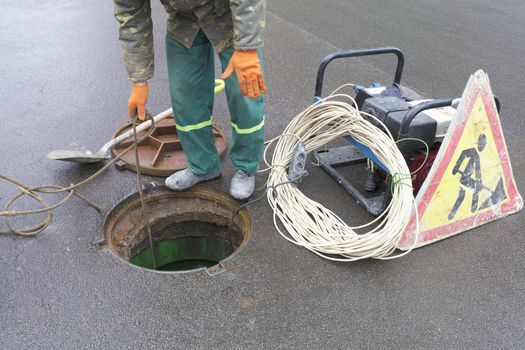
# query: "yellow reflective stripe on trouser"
249,130
194,126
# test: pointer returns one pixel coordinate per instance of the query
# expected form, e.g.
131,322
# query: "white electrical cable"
311,225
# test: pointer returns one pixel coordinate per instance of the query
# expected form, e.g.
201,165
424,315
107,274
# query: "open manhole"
190,230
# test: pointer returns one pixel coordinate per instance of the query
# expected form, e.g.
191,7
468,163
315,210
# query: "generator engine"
391,106
417,124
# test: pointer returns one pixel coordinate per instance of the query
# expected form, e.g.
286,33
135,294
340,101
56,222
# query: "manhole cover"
160,153
191,229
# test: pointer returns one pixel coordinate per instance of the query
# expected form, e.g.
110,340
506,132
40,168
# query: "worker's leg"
191,81
247,119
457,204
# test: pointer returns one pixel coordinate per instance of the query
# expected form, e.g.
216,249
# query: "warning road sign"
471,182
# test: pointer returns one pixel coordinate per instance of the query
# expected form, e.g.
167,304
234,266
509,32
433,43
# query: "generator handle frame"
446,102
359,53
412,113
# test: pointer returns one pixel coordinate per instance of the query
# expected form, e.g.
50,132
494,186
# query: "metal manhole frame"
159,191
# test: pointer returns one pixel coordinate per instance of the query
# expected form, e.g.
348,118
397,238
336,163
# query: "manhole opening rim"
158,191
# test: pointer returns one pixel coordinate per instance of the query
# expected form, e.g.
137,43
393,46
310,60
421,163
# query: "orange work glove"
137,100
249,73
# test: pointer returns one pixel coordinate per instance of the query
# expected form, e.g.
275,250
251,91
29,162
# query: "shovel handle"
219,85
141,127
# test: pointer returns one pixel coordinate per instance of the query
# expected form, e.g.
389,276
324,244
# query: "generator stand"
333,158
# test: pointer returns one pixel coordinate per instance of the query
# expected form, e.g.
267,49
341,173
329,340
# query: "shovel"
86,156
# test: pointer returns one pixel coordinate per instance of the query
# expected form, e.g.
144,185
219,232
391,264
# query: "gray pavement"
63,84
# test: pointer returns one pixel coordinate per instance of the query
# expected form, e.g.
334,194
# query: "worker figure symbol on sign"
471,180
470,177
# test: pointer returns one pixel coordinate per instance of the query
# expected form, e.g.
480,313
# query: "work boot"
184,179
242,185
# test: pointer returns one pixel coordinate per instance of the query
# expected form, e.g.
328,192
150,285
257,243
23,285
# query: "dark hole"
188,245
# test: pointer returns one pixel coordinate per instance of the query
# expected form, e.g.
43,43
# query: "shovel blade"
77,156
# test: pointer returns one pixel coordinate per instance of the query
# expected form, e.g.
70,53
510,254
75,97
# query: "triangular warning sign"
471,182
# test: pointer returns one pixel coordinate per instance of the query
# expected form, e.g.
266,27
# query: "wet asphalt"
63,85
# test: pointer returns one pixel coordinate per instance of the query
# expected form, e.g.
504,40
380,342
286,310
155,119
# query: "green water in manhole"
184,253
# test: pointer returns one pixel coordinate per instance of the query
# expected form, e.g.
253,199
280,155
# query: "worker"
195,29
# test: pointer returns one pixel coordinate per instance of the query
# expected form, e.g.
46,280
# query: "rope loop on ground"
311,225
36,194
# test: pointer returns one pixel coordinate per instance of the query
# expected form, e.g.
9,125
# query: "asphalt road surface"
63,85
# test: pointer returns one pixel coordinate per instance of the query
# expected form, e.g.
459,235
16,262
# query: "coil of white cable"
311,225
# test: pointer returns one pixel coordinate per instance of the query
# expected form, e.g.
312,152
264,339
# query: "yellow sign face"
473,181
